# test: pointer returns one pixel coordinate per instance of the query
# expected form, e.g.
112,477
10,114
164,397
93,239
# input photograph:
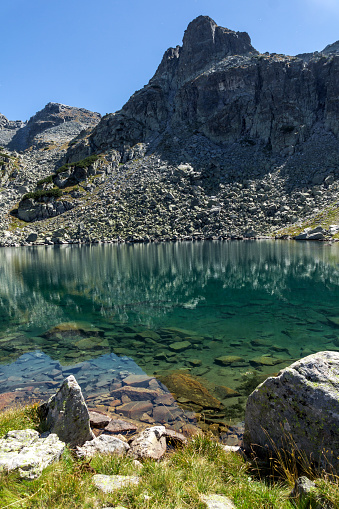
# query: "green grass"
19,418
177,482
83,163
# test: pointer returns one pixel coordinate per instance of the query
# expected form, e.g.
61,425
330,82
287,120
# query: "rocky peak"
331,49
204,43
54,114
3,121
54,122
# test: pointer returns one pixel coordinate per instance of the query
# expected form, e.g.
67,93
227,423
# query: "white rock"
151,443
217,502
104,444
24,451
109,483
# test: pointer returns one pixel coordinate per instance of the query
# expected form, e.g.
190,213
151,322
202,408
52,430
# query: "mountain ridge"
222,142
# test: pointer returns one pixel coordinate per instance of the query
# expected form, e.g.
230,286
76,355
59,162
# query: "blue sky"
95,54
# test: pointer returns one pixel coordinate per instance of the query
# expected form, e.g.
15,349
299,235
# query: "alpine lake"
169,333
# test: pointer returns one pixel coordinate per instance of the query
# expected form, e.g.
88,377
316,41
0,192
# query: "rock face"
217,83
32,210
66,414
25,452
300,406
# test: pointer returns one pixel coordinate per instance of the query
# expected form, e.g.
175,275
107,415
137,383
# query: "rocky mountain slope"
222,142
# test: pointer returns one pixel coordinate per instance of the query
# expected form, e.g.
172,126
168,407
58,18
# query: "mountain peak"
204,42
331,49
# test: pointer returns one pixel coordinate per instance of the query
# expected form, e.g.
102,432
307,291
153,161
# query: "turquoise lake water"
228,314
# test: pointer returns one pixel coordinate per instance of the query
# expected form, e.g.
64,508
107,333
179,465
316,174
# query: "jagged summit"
204,42
331,49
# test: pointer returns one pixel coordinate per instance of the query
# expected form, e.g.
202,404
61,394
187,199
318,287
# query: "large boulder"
298,409
151,443
28,453
66,414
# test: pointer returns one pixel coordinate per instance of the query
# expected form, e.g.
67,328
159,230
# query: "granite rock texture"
150,443
298,408
66,414
103,444
28,453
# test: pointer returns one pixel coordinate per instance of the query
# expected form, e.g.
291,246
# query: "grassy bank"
202,467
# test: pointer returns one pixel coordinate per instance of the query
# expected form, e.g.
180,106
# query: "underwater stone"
180,346
185,386
66,414
298,409
226,360
265,360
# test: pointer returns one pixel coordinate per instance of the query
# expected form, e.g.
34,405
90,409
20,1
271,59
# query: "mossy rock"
183,385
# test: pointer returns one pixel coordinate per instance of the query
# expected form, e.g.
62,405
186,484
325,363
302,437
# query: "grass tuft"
19,418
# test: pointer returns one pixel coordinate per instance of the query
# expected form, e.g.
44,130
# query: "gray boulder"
151,443
217,502
298,408
66,414
305,494
104,444
27,453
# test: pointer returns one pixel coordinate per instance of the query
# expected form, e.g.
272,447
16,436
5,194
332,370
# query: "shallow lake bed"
216,317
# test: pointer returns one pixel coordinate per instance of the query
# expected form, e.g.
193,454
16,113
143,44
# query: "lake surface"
208,319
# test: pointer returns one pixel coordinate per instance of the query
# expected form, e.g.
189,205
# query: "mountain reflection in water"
225,313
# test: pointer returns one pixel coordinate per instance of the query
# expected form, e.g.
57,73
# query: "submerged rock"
26,452
298,409
226,360
66,414
185,386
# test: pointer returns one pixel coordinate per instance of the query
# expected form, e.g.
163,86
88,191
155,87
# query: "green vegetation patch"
83,163
327,216
46,180
42,193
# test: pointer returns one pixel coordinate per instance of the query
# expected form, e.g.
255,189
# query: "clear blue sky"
95,53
